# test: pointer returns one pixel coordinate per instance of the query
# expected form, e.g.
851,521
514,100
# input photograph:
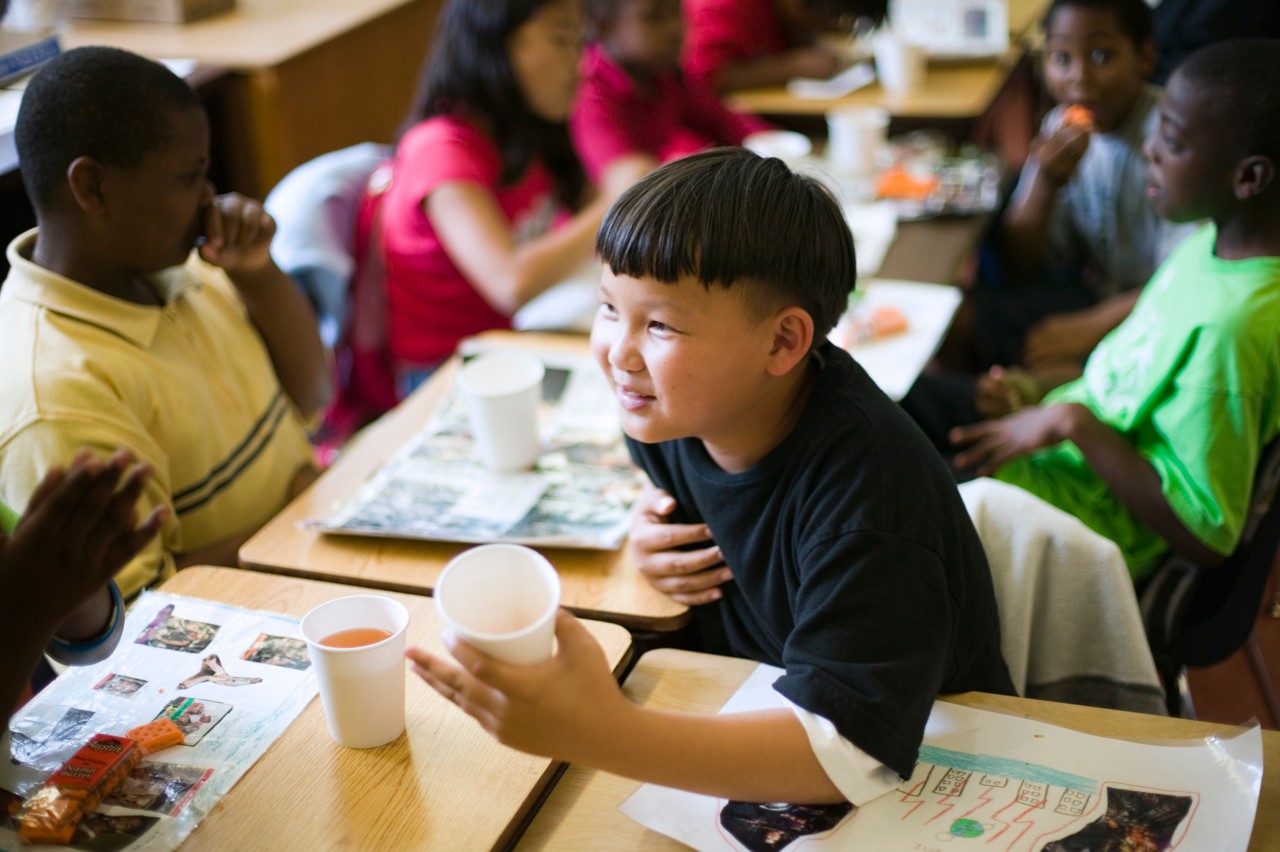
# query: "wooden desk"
961,91
445,784
312,75
581,811
599,584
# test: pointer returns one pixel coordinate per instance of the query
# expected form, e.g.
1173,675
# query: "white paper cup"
900,65
362,688
854,135
501,599
783,144
502,390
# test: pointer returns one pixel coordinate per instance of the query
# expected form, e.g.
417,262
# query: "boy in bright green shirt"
1156,445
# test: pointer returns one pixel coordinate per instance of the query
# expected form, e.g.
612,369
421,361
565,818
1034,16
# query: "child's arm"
690,577
473,231
570,708
776,70
1025,225
77,531
1129,476
1072,336
238,236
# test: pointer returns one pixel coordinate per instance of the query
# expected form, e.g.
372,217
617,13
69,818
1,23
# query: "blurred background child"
480,179
1155,447
634,109
1079,238
744,44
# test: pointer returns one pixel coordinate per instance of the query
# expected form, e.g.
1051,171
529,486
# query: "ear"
792,338
85,177
1147,58
1253,176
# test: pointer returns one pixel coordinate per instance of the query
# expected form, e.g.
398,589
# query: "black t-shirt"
856,567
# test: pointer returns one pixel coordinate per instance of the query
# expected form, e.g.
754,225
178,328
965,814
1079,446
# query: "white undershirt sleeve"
856,774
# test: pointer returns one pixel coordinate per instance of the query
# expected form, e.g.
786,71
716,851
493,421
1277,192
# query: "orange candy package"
84,779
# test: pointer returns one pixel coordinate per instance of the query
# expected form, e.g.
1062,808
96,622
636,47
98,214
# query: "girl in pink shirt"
634,108
480,178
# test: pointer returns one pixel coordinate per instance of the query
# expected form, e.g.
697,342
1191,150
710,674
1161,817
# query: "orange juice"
355,637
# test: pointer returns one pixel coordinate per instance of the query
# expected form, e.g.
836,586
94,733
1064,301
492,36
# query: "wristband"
95,648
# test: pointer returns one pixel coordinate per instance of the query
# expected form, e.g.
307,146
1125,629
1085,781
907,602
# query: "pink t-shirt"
612,117
725,32
432,304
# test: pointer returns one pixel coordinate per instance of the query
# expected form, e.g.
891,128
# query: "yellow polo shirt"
188,387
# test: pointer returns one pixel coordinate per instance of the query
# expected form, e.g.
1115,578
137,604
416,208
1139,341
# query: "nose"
206,197
623,354
1149,148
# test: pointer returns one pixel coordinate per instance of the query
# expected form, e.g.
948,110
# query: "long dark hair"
469,73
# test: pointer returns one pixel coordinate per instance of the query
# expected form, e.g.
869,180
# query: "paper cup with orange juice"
357,646
501,599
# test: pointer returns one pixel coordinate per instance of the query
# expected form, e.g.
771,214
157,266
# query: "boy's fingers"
691,584
659,537
682,562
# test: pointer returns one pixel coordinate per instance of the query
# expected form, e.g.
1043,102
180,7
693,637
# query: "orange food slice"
157,735
1078,116
896,182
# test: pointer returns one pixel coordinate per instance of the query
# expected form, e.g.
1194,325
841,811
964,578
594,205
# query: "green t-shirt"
8,519
1190,379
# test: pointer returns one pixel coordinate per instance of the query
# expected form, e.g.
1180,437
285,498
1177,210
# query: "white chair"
1070,625
315,207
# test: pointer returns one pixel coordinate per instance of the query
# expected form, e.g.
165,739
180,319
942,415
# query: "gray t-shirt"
1101,219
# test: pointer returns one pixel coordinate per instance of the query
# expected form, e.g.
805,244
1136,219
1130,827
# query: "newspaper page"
579,493
232,679
996,783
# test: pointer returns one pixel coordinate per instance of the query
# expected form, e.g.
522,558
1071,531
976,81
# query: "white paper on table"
849,80
894,362
990,782
233,680
570,305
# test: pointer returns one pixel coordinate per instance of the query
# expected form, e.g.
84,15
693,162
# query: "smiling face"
684,361
157,207
544,53
644,34
1089,60
1190,170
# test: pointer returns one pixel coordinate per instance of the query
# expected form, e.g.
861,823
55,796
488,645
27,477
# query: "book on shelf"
22,52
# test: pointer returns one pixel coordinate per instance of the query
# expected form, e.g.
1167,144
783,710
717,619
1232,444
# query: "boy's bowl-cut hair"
1240,81
730,218
1134,16
99,102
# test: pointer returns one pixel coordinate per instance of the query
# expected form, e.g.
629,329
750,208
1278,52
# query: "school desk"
444,784
311,76
598,583
951,91
581,811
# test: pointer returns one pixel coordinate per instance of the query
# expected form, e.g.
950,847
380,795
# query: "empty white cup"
854,135
502,389
900,65
501,599
362,687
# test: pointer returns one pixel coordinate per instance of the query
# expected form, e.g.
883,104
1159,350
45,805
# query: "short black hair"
1240,81
99,102
1134,16
730,218
468,72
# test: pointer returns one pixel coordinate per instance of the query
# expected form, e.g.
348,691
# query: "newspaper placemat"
232,679
579,493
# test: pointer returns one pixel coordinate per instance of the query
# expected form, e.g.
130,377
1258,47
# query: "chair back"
1197,616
